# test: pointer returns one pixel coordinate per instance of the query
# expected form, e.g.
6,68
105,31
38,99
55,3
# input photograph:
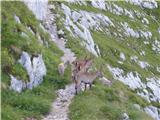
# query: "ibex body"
86,78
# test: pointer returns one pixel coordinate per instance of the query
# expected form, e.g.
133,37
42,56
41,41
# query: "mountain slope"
123,36
127,40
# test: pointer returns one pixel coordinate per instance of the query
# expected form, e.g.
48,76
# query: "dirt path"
60,107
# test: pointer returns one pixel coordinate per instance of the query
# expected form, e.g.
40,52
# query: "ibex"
86,78
80,65
85,64
61,67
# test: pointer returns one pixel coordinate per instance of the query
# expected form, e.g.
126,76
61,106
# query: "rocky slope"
123,36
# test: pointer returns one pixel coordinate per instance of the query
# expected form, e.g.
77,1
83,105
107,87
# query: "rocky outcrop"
149,90
38,7
145,4
153,112
82,22
35,69
17,19
17,85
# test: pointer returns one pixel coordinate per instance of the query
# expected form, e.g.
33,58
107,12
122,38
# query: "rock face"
98,4
17,19
17,85
87,20
149,90
38,7
35,69
146,4
153,111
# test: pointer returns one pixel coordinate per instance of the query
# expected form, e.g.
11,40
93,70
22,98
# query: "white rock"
146,34
125,116
17,19
118,10
115,9
131,79
36,70
84,32
159,30
153,112
146,42
98,4
145,96
24,34
150,4
29,28
137,106
129,13
120,62
143,64
145,20
146,4
154,84
122,56
156,46
60,32
134,58
158,69
38,7
66,9
128,31
75,16
17,85
142,53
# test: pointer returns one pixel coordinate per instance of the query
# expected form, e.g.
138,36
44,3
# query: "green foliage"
6,61
110,112
19,71
105,103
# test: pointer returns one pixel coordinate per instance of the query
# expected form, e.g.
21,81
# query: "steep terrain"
123,36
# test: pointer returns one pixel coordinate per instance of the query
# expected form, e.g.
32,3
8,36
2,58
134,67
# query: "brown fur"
86,78
80,65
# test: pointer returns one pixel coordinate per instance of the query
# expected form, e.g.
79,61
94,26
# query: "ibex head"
79,64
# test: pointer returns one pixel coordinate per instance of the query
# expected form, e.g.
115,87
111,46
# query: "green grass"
98,103
105,103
